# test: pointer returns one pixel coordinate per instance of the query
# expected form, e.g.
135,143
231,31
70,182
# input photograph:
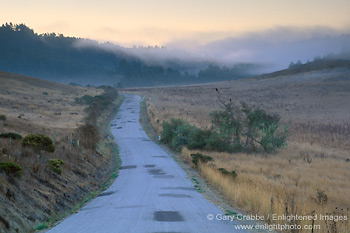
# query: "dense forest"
68,59
139,74
51,56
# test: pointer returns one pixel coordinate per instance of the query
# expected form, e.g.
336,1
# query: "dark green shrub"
169,129
97,104
45,93
11,168
216,142
202,158
227,129
225,172
227,124
245,128
41,226
102,100
55,165
178,133
2,117
39,142
181,137
263,129
86,99
233,174
236,129
11,135
273,138
198,138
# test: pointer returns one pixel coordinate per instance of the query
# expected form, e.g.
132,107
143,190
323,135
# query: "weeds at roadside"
108,147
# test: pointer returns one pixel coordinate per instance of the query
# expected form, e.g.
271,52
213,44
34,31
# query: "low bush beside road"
242,128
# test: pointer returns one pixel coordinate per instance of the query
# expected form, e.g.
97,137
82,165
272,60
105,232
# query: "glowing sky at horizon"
158,22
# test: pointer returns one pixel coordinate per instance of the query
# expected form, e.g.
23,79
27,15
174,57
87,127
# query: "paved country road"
152,194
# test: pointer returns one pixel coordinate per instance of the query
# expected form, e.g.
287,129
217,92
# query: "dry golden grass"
43,103
281,177
315,164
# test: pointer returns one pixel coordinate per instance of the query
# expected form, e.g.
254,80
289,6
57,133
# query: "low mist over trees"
136,73
69,59
51,56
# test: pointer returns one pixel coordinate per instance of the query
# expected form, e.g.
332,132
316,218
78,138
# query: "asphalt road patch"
164,176
127,167
129,207
175,195
156,172
180,188
167,216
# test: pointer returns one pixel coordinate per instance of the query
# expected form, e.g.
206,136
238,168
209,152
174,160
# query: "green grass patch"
41,226
229,212
56,165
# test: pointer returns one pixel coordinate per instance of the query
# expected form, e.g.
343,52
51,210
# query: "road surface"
152,194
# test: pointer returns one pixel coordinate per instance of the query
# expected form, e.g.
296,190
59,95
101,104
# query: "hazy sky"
161,22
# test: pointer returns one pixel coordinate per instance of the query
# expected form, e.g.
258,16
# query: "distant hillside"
68,59
328,62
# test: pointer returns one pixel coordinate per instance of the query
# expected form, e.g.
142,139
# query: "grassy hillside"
49,184
312,173
330,62
39,102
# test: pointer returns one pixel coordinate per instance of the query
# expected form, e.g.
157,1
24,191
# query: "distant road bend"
152,193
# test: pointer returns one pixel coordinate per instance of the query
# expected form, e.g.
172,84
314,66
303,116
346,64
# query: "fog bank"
275,48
